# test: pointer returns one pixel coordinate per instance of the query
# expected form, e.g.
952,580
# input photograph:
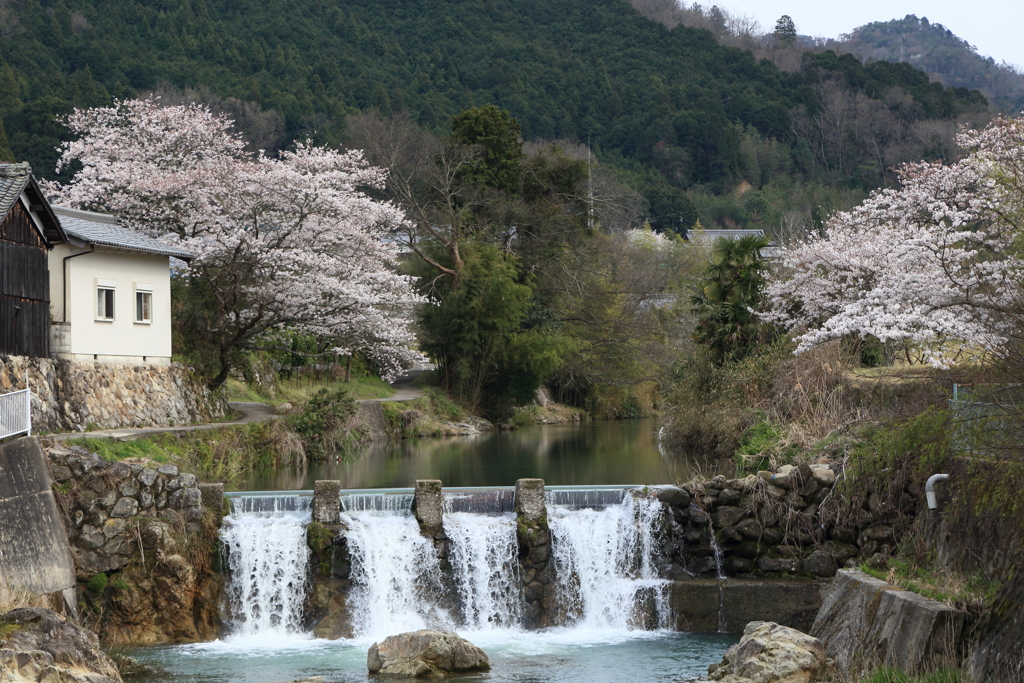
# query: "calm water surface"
569,656
589,453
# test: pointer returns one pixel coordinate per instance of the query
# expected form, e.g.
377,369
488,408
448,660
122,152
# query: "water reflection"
591,453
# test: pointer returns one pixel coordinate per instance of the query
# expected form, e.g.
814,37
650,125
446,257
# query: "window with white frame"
143,303
105,299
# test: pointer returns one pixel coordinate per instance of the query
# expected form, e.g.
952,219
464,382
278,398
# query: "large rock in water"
425,653
769,653
42,646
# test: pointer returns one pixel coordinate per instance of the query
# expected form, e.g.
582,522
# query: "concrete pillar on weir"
327,501
428,507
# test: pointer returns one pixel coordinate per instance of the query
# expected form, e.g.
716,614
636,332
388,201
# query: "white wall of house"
122,339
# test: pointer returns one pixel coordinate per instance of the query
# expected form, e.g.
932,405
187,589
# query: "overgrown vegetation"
322,423
892,675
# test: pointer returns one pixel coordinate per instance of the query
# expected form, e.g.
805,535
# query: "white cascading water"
605,563
395,573
268,559
482,556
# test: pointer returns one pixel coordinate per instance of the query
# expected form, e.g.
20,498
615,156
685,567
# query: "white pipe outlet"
929,489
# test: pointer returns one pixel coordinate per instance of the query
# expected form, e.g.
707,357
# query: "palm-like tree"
722,303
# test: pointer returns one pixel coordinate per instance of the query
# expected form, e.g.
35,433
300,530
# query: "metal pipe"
929,489
64,278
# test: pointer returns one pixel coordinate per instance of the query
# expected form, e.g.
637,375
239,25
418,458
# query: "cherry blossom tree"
934,264
286,241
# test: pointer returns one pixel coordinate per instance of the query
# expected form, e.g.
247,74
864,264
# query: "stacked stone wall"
143,546
771,525
75,396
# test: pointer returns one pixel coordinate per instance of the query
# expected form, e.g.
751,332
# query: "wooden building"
28,230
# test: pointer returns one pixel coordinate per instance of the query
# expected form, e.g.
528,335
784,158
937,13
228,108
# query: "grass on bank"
892,675
948,587
212,455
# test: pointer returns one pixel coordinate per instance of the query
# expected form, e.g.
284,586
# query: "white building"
110,292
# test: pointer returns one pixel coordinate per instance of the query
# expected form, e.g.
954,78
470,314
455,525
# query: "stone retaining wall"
769,525
75,396
145,533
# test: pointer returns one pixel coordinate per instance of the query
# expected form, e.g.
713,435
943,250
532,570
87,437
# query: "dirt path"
250,412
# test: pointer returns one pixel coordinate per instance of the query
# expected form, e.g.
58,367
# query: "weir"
264,542
468,559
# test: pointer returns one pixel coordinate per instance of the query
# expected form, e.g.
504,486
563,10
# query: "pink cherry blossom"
931,264
289,241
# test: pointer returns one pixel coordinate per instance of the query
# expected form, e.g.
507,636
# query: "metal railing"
16,413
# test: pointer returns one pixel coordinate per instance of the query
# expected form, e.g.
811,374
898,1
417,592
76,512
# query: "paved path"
250,412
404,389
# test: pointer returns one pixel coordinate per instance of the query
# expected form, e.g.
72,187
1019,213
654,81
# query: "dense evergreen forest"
681,118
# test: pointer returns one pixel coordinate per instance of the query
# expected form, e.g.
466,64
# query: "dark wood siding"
24,287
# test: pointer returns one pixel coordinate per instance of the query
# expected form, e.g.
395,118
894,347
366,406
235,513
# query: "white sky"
995,27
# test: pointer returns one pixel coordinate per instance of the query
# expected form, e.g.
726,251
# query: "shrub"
98,583
321,422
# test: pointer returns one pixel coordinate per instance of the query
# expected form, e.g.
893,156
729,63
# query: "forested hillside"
680,117
935,49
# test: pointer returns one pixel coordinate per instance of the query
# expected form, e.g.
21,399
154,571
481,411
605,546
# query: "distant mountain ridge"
681,118
937,51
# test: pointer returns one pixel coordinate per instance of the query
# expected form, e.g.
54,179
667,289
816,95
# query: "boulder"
425,653
44,646
770,653
673,495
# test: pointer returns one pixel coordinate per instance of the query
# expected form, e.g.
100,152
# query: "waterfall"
483,561
605,563
604,546
396,575
265,545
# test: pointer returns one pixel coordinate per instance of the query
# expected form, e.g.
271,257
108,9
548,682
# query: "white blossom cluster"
931,264
284,241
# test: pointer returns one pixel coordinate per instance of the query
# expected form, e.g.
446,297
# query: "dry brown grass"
12,597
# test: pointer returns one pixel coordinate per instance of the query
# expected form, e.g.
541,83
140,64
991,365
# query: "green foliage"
497,132
762,443
785,30
724,300
479,333
661,105
937,50
212,455
98,583
119,584
321,422
924,439
927,579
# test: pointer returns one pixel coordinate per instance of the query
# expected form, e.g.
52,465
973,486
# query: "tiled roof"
13,179
102,229
711,235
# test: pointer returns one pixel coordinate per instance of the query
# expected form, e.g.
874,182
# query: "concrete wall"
121,340
866,623
34,550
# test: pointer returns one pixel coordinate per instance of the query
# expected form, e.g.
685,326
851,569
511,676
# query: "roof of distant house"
16,179
101,229
712,235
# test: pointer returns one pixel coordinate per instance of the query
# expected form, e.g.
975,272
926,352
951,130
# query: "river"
604,643
587,453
